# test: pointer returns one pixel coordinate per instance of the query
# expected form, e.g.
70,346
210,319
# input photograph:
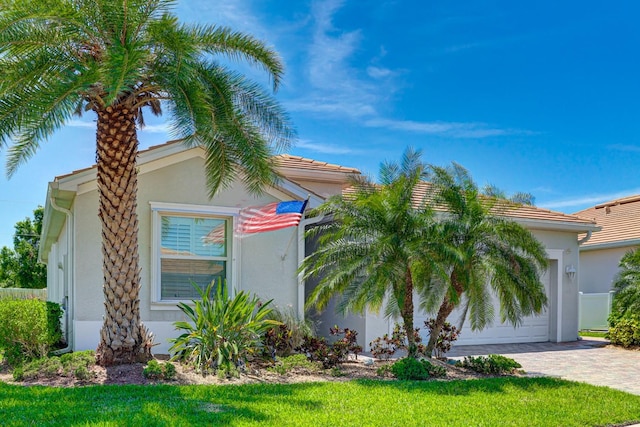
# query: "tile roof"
297,162
619,219
516,211
285,161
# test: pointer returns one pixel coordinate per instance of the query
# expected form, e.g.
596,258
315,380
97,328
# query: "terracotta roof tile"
297,162
515,211
619,219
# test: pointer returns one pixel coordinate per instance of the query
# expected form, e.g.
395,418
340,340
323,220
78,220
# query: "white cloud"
450,129
161,128
378,72
323,148
81,124
583,202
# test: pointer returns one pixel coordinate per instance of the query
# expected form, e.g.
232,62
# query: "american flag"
273,216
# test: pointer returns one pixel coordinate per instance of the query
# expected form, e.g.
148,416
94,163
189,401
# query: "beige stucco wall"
267,262
324,189
567,243
599,267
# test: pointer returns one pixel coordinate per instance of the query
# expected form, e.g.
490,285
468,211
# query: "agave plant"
221,332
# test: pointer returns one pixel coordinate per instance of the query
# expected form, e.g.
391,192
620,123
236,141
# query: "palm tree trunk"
123,338
443,313
407,315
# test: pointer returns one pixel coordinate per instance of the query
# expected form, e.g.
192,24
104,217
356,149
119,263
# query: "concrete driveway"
588,360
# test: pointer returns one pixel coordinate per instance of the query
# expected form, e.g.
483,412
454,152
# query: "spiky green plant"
221,332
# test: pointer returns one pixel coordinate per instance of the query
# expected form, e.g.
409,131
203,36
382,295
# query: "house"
600,255
185,235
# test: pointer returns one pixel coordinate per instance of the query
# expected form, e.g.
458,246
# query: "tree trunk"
443,313
123,338
407,315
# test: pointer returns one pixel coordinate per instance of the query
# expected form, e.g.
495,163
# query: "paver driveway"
588,360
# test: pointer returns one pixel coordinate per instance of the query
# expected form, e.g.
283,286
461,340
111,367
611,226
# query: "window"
191,246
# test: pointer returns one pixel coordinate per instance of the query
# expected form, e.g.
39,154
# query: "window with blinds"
192,250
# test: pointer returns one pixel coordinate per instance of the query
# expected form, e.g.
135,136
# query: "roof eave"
541,224
53,219
610,245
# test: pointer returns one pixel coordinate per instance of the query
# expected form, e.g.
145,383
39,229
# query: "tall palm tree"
495,254
382,245
114,58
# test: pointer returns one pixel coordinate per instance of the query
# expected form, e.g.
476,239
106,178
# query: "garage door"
533,328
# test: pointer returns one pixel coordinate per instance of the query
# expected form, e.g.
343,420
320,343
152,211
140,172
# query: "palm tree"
114,58
495,254
382,245
626,299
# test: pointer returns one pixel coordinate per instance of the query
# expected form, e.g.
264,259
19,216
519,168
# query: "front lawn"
488,402
593,334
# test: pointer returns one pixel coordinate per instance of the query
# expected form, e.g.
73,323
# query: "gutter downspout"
585,238
69,276
301,256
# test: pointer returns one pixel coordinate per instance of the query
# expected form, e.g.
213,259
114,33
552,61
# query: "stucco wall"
267,264
566,244
598,268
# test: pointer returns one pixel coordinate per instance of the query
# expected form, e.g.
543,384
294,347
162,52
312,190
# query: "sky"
540,97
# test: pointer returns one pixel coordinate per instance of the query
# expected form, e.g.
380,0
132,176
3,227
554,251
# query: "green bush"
159,371
75,364
414,369
27,329
625,332
222,332
295,361
493,364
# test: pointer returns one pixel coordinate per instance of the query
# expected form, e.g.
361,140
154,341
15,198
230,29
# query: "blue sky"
541,97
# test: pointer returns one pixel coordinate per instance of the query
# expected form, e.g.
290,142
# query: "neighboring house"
600,255
184,235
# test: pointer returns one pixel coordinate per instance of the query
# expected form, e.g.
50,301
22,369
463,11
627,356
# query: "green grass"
490,402
594,334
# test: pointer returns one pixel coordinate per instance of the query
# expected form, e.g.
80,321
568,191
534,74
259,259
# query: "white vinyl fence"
593,310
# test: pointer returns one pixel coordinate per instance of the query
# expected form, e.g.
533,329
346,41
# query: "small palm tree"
626,299
382,245
495,255
115,58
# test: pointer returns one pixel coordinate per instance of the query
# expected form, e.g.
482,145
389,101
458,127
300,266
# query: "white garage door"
533,328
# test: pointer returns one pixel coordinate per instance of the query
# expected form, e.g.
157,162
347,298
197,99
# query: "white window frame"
158,209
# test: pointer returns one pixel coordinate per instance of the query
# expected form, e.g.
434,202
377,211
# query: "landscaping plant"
222,332
282,340
412,369
624,320
494,364
28,329
386,346
159,371
331,354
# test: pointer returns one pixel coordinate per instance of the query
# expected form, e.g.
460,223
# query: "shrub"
222,332
27,329
159,371
283,339
448,334
414,369
295,361
494,364
75,364
330,355
386,346
625,332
